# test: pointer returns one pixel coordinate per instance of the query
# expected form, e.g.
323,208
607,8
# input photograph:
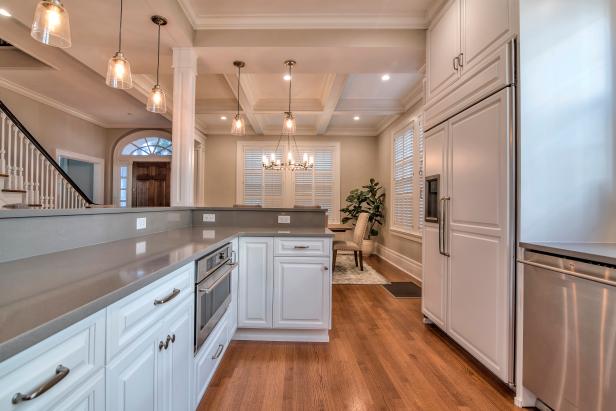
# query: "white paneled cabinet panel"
443,40
434,280
301,246
301,292
89,396
80,349
234,290
486,26
179,357
255,282
135,377
481,206
130,317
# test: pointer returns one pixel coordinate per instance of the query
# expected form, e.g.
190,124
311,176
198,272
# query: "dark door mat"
404,290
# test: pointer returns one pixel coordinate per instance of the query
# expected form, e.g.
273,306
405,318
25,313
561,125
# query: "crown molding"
303,21
31,94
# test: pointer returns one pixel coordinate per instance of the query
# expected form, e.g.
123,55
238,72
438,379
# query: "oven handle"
219,280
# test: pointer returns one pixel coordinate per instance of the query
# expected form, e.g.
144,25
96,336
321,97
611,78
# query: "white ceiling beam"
331,96
244,96
370,106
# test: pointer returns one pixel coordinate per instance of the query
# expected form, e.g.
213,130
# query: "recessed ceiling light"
4,13
287,77
356,118
223,117
385,77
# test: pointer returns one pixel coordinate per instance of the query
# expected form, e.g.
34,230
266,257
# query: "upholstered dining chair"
355,245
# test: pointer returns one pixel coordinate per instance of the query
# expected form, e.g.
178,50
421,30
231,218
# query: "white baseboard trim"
253,334
406,264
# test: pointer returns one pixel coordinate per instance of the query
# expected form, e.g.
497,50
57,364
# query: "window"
407,180
148,146
123,185
272,188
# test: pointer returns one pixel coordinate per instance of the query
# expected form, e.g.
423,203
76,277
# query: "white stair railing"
27,170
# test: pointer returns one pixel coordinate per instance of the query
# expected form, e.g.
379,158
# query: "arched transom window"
148,146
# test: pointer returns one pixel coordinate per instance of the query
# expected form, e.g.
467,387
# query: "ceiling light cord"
120,36
158,57
239,73
290,81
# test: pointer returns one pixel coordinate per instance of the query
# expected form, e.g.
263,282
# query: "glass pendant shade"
118,72
238,128
289,125
157,101
51,24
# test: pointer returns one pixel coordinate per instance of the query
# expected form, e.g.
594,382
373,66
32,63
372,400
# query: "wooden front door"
151,184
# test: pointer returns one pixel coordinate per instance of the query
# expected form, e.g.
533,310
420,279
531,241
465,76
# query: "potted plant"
370,199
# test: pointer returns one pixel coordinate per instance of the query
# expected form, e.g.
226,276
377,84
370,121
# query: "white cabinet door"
135,377
178,357
434,281
443,43
88,396
486,25
255,282
301,292
479,214
234,291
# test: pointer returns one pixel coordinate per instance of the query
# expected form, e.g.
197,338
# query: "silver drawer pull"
301,247
168,298
218,351
61,373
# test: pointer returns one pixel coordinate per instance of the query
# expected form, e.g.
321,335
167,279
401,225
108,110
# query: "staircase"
29,176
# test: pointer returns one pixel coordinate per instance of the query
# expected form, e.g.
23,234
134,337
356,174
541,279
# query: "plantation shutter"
421,182
261,187
319,186
403,181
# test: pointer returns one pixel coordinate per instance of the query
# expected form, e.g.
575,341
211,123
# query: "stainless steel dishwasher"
569,332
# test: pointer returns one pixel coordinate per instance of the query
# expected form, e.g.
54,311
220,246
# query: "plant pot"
367,247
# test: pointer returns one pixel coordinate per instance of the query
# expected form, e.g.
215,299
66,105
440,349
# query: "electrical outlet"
209,218
140,247
141,223
209,234
284,219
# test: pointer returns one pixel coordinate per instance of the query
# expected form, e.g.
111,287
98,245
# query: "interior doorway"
151,184
86,171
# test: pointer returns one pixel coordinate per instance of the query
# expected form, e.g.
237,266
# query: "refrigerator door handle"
444,227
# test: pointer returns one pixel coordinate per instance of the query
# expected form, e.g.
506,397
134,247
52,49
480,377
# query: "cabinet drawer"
302,246
79,349
130,317
210,356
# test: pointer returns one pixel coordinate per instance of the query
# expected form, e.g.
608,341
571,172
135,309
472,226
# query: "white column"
182,163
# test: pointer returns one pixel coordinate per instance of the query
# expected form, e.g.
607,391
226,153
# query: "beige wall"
410,248
357,164
54,129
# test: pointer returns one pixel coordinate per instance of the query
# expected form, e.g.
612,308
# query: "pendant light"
51,25
157,101
118,68
289,125
238,127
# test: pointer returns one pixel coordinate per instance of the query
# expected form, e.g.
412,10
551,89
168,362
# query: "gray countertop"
42,295
603,253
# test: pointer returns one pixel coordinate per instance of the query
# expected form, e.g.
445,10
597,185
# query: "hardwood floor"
380,356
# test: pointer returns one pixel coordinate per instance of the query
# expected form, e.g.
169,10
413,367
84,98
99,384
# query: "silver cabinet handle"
161,345
301,247
446,227
456,63
168,298
218,351
571,273
167,341
172,338
461,59
61,373
443,226
325,268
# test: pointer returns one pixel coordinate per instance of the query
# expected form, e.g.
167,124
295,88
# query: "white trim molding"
404,263
98,188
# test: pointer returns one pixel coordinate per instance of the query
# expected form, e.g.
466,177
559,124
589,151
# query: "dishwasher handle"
571,273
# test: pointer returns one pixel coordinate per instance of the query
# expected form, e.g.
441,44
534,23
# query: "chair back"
360,228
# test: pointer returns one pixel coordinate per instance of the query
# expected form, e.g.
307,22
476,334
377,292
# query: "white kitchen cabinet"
88,396
443,47
233,305
255,286
302,292
460,39
178,360
135,377
69,360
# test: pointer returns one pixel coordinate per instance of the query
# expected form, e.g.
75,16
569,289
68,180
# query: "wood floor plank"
380,357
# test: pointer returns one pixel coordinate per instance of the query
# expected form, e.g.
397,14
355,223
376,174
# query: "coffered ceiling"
341,58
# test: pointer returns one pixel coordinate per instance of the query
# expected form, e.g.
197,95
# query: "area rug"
404,290
345,272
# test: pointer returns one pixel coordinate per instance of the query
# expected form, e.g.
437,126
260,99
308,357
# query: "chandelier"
273,163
